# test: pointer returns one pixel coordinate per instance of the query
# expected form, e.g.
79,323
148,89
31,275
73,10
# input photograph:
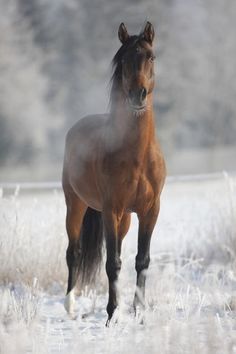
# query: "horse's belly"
89,195
85,187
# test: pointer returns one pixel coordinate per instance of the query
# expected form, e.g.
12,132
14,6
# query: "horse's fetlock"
111,306
113,268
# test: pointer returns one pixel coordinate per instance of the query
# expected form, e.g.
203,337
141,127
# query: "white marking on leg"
69,302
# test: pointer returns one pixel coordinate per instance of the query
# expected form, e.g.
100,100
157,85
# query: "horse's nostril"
143,94
137,96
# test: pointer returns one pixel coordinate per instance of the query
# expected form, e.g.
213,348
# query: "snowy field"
191,285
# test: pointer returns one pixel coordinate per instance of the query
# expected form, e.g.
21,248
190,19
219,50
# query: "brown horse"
113,166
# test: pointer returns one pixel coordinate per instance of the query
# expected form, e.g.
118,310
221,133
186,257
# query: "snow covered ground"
191,286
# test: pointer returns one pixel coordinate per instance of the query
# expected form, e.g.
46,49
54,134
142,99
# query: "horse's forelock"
132,40
117,61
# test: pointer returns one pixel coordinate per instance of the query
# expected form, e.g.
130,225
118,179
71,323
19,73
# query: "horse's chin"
138,111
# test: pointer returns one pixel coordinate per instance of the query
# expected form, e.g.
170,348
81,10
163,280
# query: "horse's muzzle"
137,99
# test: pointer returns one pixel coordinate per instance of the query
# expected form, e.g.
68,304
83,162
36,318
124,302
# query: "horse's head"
137,66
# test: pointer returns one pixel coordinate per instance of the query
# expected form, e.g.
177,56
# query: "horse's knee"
142,263
113,267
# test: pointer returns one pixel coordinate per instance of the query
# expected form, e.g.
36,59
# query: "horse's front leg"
146,226
113,261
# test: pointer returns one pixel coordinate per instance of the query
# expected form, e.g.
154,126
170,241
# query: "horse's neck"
132,130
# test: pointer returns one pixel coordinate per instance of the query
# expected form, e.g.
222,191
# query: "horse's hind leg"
74,218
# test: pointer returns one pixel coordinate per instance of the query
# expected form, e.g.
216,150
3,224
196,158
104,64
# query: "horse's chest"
136,188
129,182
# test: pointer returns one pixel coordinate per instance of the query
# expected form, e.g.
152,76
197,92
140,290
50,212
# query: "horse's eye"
152,58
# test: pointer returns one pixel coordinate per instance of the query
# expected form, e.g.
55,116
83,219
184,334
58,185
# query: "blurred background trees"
55,60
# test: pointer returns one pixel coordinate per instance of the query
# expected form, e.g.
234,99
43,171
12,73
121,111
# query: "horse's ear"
148,33
123,33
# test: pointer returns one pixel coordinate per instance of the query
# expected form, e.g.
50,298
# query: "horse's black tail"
91,246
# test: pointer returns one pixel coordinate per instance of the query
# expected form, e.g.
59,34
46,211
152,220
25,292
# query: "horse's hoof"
69,303
113,319
139,314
